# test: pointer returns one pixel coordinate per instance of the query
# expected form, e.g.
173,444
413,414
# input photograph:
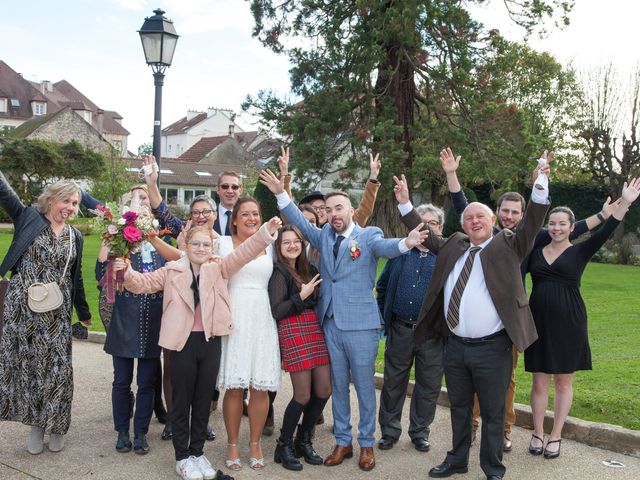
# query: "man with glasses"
229,190
400,290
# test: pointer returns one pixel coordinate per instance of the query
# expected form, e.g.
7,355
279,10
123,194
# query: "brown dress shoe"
338,455
367,460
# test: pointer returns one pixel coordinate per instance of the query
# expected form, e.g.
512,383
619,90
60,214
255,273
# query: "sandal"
233,465
256,463
550,454
536,450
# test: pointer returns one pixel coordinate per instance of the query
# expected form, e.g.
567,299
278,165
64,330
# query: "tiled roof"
15,87
201,149
183,124
184,173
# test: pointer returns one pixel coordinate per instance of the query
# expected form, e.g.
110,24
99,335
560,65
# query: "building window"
3,105
200,192
169,147
188,196
170,195
39,108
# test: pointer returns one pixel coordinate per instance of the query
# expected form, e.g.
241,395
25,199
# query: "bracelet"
601,217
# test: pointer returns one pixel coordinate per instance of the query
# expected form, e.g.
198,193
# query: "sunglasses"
227,186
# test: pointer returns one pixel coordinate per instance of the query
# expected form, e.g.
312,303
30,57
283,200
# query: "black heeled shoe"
536,450
556,454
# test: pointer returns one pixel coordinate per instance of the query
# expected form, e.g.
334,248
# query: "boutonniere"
354,249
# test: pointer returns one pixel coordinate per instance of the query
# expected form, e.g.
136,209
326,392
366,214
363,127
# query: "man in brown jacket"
476,300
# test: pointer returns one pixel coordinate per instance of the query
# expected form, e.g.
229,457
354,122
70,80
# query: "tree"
145,149
31,164
114,180
609,128
378,75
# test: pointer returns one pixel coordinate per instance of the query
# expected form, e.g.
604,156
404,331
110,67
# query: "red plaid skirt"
302,345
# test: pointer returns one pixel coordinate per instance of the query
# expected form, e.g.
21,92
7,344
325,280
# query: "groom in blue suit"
347,309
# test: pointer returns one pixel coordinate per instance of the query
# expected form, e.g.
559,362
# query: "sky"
95,46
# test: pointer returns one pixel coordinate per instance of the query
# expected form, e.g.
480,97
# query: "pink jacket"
178,305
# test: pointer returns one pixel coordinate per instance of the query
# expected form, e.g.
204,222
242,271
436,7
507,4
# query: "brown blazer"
501,260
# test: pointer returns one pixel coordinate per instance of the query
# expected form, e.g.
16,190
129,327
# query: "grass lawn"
610,393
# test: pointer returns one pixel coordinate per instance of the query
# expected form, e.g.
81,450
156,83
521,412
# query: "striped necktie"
453,313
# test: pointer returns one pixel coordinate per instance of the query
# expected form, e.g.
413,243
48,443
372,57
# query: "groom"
347,309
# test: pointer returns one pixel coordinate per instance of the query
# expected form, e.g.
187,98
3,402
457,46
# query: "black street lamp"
159,39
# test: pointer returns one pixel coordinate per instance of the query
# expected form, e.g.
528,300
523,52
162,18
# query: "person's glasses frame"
204,245
227,186
201,213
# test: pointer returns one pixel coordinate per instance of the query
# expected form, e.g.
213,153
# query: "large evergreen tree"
403,78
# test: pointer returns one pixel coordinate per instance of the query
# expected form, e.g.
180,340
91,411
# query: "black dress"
558,309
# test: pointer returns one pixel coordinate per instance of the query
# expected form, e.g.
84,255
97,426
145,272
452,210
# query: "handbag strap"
71,241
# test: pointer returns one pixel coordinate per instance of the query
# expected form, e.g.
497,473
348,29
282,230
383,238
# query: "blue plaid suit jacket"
347,283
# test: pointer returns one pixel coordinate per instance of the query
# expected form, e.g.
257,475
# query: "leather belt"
479,340
404,323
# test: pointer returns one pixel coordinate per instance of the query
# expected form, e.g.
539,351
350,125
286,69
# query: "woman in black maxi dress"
561,317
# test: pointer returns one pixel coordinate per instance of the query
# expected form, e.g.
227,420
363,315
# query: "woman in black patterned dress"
561,317
293,296
36,374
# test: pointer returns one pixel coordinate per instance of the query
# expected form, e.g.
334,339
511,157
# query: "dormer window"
39,108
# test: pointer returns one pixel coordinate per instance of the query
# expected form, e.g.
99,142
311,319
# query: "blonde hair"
206,230
60,190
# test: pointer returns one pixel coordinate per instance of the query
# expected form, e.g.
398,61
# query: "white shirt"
478,316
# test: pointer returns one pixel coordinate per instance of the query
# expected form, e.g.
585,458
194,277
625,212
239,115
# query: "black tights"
311,391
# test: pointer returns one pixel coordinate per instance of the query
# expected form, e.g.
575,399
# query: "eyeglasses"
287,243
197,245
320,208
201,213
433,223
227,186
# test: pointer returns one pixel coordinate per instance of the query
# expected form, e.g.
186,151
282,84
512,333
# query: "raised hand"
542,168
149,169
416,236
401,190
273,183
307,288
374,166
273,225
608,206
449,162
631,190
283,161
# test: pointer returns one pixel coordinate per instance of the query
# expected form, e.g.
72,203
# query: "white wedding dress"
250,354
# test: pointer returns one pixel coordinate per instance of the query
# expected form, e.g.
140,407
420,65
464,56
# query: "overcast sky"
94,45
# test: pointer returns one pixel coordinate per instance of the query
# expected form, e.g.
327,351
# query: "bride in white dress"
250,355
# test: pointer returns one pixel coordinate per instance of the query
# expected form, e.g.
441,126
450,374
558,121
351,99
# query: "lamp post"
159,39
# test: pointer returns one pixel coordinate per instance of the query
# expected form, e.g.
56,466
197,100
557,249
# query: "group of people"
238,301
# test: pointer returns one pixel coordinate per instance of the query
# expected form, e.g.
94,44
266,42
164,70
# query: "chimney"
100,120
211,111
191,114
232,126
46,87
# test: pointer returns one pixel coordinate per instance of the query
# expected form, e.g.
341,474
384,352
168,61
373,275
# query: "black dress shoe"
536,450
421,444
386,442
549,454
446,470
211,435
166,433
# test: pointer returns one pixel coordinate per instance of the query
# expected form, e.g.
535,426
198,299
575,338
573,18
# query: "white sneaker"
205,467
188,470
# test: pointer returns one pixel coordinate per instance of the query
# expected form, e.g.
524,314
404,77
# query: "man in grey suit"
347,309
477,302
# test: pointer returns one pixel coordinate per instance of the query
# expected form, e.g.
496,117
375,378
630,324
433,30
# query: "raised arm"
250,248
368,200
9,201
136,282
166,251
450,164
150,169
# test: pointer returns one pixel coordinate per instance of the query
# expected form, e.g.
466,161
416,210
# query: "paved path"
90,453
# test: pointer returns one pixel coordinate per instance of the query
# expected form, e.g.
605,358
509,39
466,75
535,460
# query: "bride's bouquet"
123,232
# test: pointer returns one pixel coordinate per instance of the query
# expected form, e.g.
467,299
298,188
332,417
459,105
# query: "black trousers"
400,353
485,368
194,371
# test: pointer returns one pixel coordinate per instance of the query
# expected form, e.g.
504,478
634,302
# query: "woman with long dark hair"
293,296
